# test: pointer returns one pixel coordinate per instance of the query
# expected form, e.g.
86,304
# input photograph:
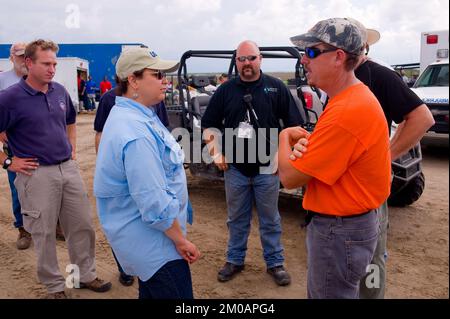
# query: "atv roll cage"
266,52
408,182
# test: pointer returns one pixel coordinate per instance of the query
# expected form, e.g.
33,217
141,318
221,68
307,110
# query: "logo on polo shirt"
62,105
270,90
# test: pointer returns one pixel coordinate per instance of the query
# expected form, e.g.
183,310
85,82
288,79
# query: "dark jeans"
339,251
171,281
15,200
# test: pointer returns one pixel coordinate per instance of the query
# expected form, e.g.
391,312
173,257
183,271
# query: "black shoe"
125,279
280,275
228,271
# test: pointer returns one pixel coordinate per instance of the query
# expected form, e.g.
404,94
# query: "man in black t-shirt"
401,105
252,106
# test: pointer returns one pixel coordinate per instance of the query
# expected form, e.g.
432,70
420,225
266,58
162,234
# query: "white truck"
67,71
432,84
433,46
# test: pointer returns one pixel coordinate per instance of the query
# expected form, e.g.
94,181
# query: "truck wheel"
409,194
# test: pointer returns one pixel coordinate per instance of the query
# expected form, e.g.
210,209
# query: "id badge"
245,130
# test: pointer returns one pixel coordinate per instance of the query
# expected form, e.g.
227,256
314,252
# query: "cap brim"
19,52
166,66
304,40
372,36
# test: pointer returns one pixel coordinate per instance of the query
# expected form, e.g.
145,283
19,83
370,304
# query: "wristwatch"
7,162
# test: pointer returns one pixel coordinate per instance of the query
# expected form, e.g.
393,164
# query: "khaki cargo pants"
51,193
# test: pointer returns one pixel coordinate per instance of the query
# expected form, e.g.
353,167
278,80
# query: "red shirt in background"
105,86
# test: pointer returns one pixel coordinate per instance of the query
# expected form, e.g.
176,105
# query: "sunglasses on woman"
313,53
159,74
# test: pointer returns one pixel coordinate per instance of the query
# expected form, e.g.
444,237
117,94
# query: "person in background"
8,78
90,93
140,183
82,97
39,119
405,108
247,181
222,79
404,77
105,85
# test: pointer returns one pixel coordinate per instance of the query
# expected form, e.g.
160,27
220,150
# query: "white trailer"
67,70
66,74
433,46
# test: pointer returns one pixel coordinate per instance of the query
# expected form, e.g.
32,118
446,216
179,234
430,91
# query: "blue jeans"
15,200
241,192
339,251
378,260
171,281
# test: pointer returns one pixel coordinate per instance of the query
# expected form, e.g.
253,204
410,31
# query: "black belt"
310,214
63,161
56,162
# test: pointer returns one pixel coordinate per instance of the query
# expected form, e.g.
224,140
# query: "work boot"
280,275
59,233
97,285
56,295
24,239
228,271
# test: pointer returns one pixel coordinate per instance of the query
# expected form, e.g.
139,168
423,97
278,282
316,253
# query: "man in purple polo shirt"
39,119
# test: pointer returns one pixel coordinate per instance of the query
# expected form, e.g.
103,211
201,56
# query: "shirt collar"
31,90
257,83
129,103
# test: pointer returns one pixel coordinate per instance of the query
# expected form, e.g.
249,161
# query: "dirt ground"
418,241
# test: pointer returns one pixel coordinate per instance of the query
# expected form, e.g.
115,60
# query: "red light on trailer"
432,38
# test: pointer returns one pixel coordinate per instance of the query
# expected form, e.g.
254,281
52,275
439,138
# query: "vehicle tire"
409,194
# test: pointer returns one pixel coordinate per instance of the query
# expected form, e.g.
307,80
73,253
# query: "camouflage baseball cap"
341,33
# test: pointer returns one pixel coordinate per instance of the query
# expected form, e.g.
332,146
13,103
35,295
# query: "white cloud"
174,26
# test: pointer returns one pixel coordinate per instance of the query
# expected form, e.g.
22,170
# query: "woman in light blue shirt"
140,183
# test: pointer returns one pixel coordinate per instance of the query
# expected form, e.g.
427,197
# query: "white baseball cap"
137,59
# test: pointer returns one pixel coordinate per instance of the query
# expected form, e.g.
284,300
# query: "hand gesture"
3,138
294,134
23,165
188,251
299,149
221,162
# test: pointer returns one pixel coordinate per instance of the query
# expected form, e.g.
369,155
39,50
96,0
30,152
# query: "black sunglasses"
159,74
313,53
248,57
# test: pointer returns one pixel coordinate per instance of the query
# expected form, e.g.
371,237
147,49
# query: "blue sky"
171,27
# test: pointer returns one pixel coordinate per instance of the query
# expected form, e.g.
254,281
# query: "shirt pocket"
173,158
172,154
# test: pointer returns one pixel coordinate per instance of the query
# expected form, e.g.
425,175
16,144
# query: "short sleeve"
330,150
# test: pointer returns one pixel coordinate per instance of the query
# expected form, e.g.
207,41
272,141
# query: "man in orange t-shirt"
347,165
